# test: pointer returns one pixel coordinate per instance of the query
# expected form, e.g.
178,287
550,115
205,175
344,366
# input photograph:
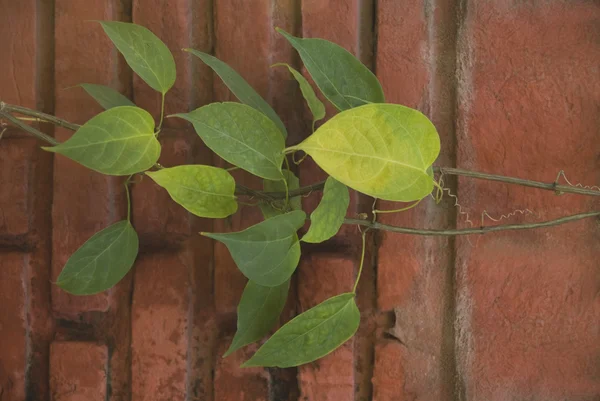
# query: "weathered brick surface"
528,303
78,371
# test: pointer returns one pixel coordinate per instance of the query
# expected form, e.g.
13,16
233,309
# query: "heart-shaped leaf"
240,88
328,217
382,150
106,96
240,135
145,53
317,108
102,261
310,335
342,78
278,207
118,141
205,191
268,252
257,312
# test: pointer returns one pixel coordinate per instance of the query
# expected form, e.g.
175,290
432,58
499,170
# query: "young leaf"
240,88
268,252
106,96
382,150
344,80
205,191
145,53
257,312
328,217
118,141
310,335
317,108
242,136
293,182
102,261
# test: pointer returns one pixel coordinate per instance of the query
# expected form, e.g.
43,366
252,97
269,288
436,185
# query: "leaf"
118,141
317,108
102,261
205,191
342,78
310,335
106,96
268,252
240,135
258,311
328,217
145,53
382,150
240,88
278,186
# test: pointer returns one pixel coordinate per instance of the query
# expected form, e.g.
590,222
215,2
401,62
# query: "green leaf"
293,182
328,217
118,141
240,135
240,88
106,96
205,191
316,107
258,311
342,78
268,252
145,53
102,261
310,335
382,150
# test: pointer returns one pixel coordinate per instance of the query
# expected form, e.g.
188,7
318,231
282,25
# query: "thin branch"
467,231
38,134
9,108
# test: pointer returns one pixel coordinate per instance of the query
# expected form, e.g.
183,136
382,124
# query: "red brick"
78,371
160,326
235,383
84,201
527,313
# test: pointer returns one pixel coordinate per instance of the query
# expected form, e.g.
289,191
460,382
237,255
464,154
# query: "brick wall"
513,87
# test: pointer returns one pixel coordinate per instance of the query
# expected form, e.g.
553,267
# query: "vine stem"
28,128
9,108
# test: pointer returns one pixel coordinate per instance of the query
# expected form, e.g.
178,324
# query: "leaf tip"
49,148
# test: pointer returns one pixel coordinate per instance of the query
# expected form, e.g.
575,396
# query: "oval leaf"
205,191
310,335
382,150
145,53
278,207
240,88
106,96
102,261
268,252
317,108
240,135
328,217
342,78
258,311
119,141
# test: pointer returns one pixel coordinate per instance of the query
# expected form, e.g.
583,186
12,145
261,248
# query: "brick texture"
512,87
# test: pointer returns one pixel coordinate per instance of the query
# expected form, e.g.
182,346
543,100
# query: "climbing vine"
379,149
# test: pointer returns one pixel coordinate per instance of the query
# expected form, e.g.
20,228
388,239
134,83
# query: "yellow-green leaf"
145,53
257,312
240,88
328,217
342,78
205,191
310,335
382,150
317,108
268,252
242,136
102,261
106,96
118,141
